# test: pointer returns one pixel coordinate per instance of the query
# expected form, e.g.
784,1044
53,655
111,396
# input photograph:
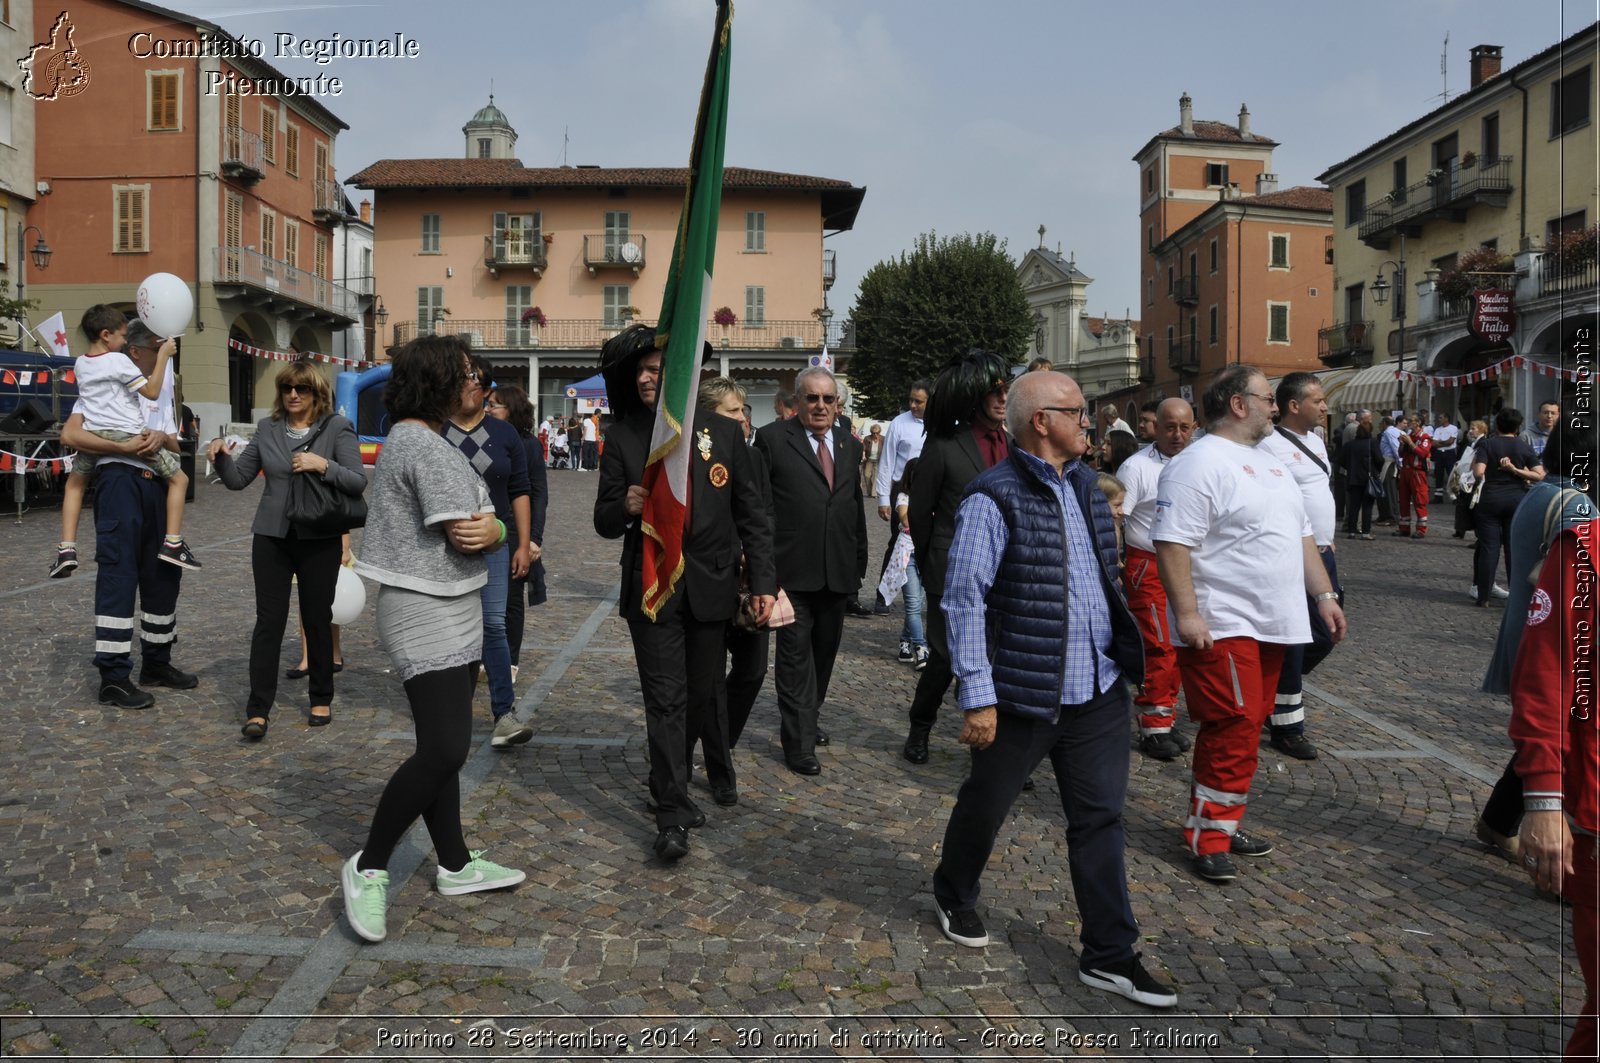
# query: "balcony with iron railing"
1567,278
1183,354
1186,290
1441,194
250,269
329,201
589,334
613,250
241,155
511,249
1347,344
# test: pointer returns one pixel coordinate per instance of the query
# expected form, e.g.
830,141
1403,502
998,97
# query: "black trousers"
748,654
1503,811
1491,519
1358,509
313,564
516,616
934,682
804,667
428,783
680,662
1088,747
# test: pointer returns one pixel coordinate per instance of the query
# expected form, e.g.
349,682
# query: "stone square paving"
170,890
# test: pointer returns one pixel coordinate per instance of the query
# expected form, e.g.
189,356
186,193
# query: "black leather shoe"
726,796
916,748
125,695
164,675
805,766
672,843
1028,784
855,608
822,737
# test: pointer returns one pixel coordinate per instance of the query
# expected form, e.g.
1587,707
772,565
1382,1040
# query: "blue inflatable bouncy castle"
359,396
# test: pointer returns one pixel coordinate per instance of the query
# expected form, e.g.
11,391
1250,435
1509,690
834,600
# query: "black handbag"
318,508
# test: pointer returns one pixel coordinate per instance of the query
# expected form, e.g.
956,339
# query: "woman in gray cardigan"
303,437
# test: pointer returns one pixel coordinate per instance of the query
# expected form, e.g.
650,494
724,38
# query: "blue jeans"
911,631
496,651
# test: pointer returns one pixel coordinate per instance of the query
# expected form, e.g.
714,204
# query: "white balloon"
349,597
165,304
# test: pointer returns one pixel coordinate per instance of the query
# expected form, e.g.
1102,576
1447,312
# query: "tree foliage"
934,303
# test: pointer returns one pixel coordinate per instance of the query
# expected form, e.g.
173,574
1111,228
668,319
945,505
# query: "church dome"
489,117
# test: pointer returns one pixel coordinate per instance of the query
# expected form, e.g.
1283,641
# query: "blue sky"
956,116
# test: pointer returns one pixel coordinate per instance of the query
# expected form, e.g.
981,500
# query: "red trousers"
1413,493
1582,887
1230,690
1158,698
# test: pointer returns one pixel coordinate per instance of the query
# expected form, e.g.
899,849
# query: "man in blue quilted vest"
1045,647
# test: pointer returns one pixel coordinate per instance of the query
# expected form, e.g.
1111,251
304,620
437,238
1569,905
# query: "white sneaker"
366,900
510,731
1472,592
513,673
478,875
907,654
1498,591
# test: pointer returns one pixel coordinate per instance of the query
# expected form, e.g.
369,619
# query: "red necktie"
825,456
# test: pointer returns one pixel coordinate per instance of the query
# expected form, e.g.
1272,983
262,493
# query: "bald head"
1174,426
1034,413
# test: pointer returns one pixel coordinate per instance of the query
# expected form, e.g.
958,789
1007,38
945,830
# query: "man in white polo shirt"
1237,558
1302,407
1157,702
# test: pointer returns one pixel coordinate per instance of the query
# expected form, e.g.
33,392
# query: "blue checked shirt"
975,555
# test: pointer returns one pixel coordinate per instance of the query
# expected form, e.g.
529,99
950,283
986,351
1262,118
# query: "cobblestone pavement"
171,890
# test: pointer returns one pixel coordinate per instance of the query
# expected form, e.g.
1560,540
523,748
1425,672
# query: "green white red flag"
681,331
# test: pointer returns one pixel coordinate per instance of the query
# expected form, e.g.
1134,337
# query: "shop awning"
1371,388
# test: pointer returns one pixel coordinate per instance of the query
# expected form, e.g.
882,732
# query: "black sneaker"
1215,867
1129,978
1182,740
66,561
907,654
1160,747
1241,844
164,675
964,928
124,695
177,554
672,843
1297,746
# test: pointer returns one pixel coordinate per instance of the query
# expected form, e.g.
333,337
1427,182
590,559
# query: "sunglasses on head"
297,389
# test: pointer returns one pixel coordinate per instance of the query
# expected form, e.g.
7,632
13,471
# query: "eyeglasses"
1080,412
1268,399
297,389
497,405
826,400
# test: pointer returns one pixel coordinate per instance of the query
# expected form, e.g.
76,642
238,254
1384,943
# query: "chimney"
1266,182
1185,115
366,211
1485,63
1244,122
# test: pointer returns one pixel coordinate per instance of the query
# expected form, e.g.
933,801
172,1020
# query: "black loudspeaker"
31,417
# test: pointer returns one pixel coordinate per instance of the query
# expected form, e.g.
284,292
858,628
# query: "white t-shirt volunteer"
1315,492
1239,512
1139,475
1444,437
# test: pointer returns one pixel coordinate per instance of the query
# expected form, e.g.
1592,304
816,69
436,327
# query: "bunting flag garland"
1478,376
20,464
291,356
34,377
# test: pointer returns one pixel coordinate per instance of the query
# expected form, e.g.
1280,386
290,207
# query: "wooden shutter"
269,134
163,101
319,261
130,219
291,243
291,148
233,235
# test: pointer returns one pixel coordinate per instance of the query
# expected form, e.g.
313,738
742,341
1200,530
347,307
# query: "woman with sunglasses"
303,437
496,453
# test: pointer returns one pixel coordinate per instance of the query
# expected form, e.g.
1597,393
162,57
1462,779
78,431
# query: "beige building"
1507,166
1100,353
537,266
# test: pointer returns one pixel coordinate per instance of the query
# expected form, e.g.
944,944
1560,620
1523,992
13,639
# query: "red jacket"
1416,455
1553,694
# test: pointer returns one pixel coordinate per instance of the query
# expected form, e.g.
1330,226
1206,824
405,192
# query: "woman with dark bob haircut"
303,437
430,519
510,404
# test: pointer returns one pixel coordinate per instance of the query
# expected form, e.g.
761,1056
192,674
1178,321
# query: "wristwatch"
1325,596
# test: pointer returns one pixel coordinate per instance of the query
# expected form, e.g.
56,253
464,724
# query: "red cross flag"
54,333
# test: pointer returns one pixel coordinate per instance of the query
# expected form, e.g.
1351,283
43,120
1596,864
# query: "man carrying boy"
110,387
130,523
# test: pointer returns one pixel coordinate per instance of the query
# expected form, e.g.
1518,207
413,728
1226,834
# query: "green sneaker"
479,874
366,900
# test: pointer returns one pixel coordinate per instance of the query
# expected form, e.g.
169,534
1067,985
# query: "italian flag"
681,331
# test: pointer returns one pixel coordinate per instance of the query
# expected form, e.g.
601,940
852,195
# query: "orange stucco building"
163,163
536,266
1226,275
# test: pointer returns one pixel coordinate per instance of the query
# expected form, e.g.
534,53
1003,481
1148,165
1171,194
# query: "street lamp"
1380,295
41,258
825,315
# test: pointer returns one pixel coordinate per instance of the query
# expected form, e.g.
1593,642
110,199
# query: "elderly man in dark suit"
680,653
821,547
966,435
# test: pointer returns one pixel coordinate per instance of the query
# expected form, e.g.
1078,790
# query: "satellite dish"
631,253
